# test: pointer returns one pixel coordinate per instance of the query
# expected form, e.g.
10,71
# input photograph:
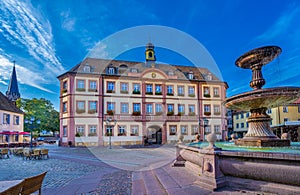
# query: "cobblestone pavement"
66,166
99,170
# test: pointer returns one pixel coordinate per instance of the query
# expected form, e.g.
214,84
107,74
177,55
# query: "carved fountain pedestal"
259,100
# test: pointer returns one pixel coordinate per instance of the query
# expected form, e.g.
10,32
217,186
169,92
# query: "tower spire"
12,92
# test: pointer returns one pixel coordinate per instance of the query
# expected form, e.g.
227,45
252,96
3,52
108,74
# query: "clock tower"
150,55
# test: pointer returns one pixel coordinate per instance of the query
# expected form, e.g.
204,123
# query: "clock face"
153,75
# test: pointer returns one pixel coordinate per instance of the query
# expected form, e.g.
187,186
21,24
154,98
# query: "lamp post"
108,122
32,123
205,123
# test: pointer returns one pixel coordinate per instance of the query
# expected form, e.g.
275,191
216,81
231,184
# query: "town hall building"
115,102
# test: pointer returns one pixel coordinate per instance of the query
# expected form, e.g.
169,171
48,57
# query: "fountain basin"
263,98
276,168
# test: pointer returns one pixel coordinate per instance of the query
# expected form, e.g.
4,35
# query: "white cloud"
24,75
68,22
282,25
22,25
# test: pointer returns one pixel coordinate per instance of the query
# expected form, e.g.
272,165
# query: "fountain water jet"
259,100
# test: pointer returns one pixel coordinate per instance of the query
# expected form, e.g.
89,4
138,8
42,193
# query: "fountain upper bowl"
268,98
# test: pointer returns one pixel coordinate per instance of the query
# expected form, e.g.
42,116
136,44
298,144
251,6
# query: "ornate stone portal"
259,100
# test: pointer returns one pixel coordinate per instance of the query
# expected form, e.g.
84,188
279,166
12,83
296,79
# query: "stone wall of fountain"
217,168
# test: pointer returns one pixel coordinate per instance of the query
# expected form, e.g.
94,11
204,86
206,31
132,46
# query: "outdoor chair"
33,184
36,154
3,152
26,153
14,190
44,152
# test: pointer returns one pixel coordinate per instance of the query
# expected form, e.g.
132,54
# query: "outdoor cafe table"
4,185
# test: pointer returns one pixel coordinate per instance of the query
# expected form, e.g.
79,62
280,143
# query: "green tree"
41,109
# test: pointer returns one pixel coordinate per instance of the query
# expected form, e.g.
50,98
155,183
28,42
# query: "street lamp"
205,123
32,123
108,122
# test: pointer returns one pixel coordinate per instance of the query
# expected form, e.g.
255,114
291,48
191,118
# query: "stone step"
146,182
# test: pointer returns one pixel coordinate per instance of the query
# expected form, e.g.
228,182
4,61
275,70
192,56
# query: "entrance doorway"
154,135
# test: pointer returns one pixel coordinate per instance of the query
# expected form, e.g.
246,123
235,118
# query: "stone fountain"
259,100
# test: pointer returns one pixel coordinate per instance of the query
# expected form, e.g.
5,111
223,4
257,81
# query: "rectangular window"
158,109
285,119
124,88
183,130
285,109
180,90
191,110
149,108
191,91
195,129
136,107
65,131
136,88
65,107
173,129
80,85
122,130
158,89
207,109
207,129
92,130
216,92
217,110
80,131
65,85
206,91
92,107
134,130
242,115
170,108
242,125
124,108
170,90
247,114
237,116
149,89
180,109
109,130
16,120
217,128
237,125
110,107
92,85
80,107
247,124
110,87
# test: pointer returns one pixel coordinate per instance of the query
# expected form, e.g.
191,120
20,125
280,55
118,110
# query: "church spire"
12,92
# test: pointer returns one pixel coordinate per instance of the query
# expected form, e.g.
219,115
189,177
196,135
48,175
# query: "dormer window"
134,70
191,75
111,70
209,77
170,73
87,68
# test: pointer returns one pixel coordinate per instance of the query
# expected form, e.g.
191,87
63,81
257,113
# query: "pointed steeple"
12,92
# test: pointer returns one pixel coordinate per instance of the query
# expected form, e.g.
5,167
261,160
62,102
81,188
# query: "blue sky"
47,38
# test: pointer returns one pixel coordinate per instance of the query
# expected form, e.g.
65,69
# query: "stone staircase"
165,180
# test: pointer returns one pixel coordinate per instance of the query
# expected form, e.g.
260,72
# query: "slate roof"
98,66
7,105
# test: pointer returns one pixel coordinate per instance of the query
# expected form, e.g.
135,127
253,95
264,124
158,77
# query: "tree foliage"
41,109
